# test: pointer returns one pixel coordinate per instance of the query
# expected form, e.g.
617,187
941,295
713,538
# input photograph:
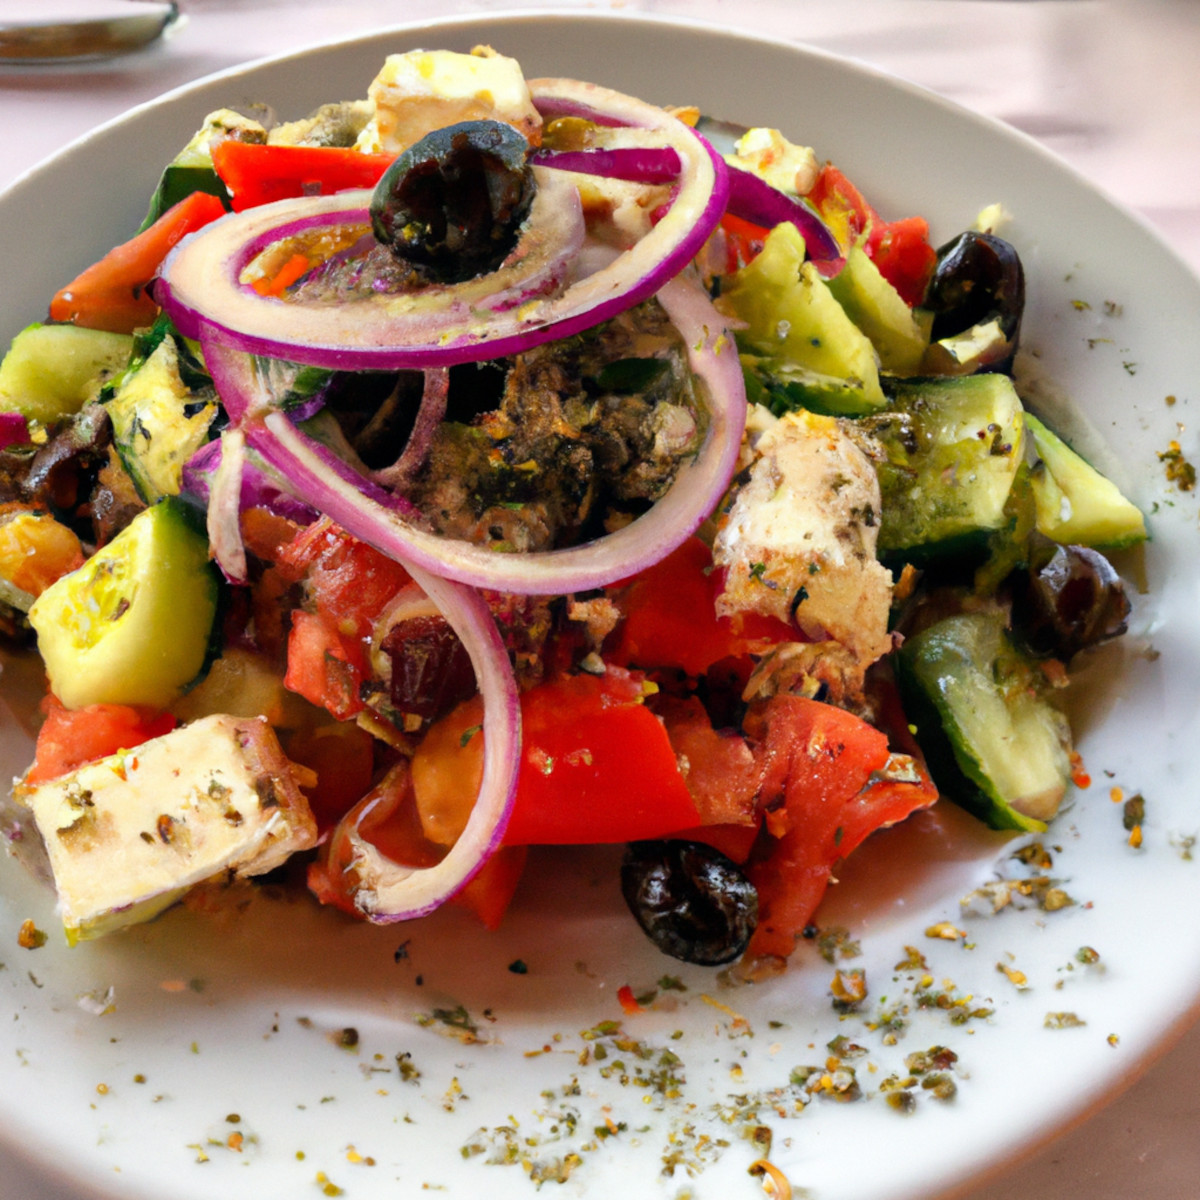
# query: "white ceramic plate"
133,1067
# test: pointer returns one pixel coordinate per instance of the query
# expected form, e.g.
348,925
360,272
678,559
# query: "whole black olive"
1068,599
978,280
451,206
693,903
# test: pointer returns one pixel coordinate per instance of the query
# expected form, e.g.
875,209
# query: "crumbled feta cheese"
424,90
798,542
784,165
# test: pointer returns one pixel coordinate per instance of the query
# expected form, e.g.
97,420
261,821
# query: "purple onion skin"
632,164
757,201
258,489
14,429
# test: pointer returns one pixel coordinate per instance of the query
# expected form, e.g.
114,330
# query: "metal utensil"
51,32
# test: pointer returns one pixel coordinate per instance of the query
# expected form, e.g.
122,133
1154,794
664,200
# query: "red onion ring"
631,163
201,283
259,490
224,514
317,476
201,278
755,200
429,416
390,892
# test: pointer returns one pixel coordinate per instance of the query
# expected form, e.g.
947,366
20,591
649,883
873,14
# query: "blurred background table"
1110,86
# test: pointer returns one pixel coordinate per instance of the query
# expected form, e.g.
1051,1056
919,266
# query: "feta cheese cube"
128,835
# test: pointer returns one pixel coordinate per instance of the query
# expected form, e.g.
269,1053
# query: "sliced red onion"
233,372
317,476
225,507
429,416
755,200
14,429
259,490
202,283
636,164
443,325
390,892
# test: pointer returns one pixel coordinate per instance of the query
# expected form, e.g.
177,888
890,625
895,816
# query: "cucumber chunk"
52,371
994,743
798,332
952,449
133,624
1076,505
874,305
159,423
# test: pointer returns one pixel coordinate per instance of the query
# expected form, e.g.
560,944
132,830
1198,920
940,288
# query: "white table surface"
1110,86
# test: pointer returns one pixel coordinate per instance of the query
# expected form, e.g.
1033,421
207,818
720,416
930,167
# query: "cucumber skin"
173,639
956,772
51,371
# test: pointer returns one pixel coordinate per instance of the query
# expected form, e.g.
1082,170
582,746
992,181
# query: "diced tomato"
596,766
266,533
743,241
257,174
348,580
386,817
722,773
342,755
723,776
842,206
70,737
325,665
348,584
490,893
900,249
113,294
821,760
670,617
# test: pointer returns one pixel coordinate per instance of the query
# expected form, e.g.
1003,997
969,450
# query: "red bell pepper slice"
113,294
821,760
257,174
70,737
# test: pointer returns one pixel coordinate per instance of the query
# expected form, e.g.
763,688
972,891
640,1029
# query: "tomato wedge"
822,760
596,766
70,737
900,249
670,617
114,293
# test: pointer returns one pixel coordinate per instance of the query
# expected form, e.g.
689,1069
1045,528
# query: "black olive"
1068,599
451,206
978,279
693,903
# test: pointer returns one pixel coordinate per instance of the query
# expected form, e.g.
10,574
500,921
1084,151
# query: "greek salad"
492,463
